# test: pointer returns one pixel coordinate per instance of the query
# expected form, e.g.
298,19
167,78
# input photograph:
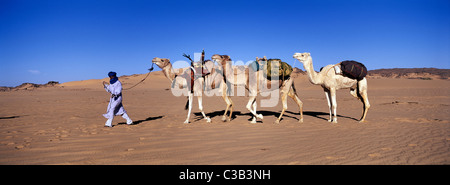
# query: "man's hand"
104,83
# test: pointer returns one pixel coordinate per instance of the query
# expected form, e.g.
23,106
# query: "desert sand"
408,123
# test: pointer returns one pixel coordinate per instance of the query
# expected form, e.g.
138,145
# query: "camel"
330,82
255,82
214,81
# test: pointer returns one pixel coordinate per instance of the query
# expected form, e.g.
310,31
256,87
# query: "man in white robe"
115,107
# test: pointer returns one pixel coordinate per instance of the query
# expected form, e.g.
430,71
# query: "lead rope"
293,65
149,71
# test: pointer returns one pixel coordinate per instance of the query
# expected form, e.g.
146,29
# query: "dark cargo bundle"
353,69
274,67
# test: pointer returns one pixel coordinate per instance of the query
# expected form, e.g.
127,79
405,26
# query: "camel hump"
353,69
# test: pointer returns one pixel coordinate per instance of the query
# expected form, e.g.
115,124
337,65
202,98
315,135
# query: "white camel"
255,82
330,82
214,81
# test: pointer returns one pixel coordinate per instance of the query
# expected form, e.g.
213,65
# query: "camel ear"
265,58
165,60
257,58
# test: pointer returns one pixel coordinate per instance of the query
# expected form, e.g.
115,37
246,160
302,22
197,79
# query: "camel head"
302,57
261,59
221,59
216,58
161,62
197,64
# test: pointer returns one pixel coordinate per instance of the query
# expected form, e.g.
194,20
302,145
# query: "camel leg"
285,90
354,93
260,116
229,105
333,104
200,107
251,106
191,95
297,100
284,102
225,98
362,87
366,106
250,102
231,108
327,94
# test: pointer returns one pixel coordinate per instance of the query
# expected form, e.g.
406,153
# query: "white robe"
115,107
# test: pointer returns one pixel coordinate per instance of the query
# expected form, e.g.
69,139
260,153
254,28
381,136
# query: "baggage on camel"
353,69
273,68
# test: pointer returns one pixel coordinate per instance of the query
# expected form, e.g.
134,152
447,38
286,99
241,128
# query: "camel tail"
187,104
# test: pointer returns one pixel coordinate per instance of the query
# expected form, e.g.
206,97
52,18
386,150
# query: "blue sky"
66,40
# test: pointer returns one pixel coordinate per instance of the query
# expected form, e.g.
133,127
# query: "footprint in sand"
40,132
334,157
294,163
374,155
18,147
420,120
8,137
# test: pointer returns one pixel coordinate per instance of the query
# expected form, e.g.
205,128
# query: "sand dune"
408,123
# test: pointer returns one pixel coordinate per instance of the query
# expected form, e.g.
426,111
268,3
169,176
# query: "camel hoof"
228,119
224,118
208,120
186,122
260,116
300,121
277,122
363,121
253,121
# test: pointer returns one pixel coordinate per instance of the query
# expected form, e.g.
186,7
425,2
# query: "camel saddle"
197,72
353,69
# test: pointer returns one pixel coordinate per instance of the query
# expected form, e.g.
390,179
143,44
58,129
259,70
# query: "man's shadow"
10,117
143,120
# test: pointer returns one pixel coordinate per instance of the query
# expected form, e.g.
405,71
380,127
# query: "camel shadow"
320,115
143,120
220,113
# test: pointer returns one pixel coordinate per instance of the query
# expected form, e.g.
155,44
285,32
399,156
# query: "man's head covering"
112,74
113,80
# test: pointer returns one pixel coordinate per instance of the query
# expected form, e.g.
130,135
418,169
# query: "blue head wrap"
113,80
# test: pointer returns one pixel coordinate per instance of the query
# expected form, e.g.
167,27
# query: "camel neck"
168,72
312,75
